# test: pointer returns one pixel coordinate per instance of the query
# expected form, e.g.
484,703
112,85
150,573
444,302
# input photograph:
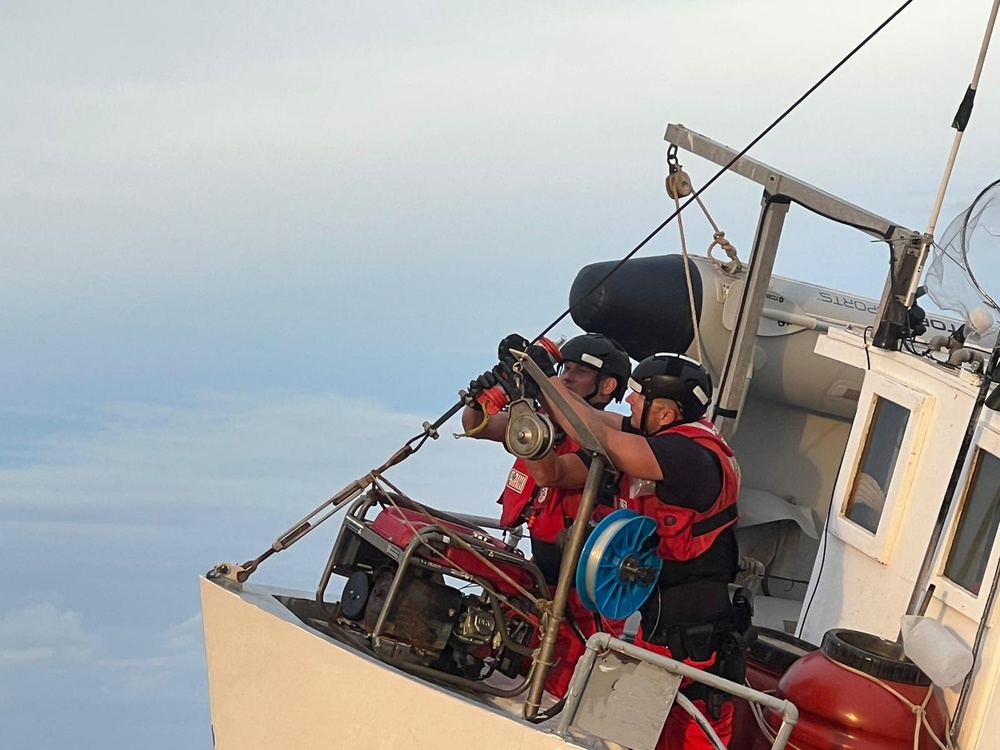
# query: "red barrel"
771,655
839,708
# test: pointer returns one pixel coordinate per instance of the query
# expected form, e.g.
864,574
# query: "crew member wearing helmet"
546,493
679,471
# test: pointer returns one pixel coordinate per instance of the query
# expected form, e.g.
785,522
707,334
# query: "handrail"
601,642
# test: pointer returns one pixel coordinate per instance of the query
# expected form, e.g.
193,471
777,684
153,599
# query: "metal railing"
600,643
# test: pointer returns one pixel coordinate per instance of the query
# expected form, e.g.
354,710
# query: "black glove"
537,352
513,341
476,386
542,358
503,376
483,383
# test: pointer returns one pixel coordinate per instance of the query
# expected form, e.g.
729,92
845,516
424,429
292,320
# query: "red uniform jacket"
548,510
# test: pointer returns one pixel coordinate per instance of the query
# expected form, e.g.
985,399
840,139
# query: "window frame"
880,545
946,590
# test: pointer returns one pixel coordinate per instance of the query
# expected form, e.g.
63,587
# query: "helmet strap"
645,415
643,422
598,382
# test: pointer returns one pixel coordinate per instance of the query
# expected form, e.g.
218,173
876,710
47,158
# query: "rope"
758,715
679,185
687,270
719,240
477,429
919,711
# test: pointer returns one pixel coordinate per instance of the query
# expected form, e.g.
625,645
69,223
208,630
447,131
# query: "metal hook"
672,158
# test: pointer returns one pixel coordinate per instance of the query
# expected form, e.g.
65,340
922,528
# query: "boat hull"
275,682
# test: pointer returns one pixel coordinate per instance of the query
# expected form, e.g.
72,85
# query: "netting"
950,281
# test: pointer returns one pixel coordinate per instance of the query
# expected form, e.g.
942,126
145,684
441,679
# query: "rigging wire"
759,137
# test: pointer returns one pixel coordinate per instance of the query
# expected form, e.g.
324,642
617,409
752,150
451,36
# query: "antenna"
903,291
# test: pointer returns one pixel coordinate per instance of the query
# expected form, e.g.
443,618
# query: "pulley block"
616,574
678,184
530,435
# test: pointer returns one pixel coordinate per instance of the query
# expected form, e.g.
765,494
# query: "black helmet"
676,377
603,354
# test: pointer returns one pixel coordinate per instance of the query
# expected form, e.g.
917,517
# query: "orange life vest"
686,533
548,510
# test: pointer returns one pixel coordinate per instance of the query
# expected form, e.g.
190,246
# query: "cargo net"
973,235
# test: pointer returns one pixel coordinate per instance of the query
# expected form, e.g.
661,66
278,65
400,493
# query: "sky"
248,248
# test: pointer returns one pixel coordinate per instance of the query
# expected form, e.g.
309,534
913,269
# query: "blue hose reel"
615,575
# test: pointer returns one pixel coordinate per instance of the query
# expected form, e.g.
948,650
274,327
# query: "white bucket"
939,653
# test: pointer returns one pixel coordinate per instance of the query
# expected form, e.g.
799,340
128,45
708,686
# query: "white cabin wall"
864,581
854,589
854,592
790,451
981,724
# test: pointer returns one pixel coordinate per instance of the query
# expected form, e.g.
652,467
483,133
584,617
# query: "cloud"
234,455
180,206
369,117
42,633
185,637
177,659
222,451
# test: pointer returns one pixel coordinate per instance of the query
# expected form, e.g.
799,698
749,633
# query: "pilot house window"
878,461
977,526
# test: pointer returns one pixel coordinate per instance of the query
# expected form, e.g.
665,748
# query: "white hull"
276,683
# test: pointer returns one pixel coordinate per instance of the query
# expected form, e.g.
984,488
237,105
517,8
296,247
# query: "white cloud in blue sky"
248,249
106,530
39,633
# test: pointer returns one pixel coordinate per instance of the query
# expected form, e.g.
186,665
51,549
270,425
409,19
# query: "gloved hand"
505,378
537,352
476,386
544,361
542,358
501,375
512,341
